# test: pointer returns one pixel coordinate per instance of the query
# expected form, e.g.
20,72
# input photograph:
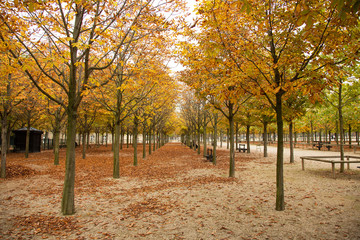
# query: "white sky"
173,65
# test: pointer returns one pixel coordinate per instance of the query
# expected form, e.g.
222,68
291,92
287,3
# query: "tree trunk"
341,122
144,141
135,135
204,136
308,136
232,152
280,204
27,144
4,144
127,138
56,143
198,140
154,136
221,137
248,138
67,204
84,145
116,165
265,139
291,142
337,133
121,136
227,138
350,135
215,138
150,140
87,139
236,135
326,134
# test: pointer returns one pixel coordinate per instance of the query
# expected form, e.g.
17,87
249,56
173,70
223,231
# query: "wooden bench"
319,145
328,146
242,147
209,154
333,162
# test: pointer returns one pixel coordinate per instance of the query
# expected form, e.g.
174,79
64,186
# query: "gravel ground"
176,194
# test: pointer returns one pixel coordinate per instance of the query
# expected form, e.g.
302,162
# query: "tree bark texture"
67,204
280,204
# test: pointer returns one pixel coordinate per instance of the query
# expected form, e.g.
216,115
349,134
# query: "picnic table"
333,162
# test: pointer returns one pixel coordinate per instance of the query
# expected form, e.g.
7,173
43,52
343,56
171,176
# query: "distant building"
34,140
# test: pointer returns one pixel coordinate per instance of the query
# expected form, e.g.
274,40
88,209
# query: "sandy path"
191,199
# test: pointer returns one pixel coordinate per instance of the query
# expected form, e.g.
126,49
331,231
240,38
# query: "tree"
30,113
345,93
279,46
294,107
11,93
78,39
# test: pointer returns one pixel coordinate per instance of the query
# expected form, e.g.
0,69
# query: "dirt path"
175,194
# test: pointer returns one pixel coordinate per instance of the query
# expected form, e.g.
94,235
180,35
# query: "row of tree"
88,58
272,56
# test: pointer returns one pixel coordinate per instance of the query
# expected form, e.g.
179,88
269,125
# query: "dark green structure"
34,141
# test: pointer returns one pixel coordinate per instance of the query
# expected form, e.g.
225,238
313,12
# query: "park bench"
319,145
242,147
209,154
63,145
258,147
328,145
333,162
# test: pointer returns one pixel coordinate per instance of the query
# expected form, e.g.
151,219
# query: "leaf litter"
173,194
